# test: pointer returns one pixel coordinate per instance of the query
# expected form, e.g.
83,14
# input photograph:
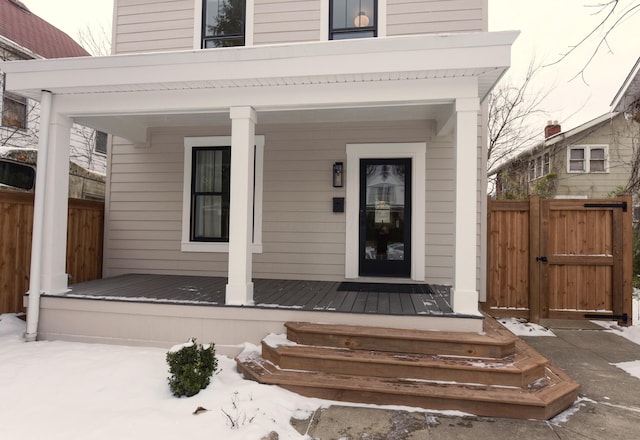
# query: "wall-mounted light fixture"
361,20
337,174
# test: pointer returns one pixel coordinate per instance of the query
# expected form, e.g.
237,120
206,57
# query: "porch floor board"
325,296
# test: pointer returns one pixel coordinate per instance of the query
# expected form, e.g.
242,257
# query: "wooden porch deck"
322,296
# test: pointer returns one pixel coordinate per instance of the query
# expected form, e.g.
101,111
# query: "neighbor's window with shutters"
14,111
588,159
223,23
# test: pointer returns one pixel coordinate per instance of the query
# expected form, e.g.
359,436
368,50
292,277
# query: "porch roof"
484,55
419,77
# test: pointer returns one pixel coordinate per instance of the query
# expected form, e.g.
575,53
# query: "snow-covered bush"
191,366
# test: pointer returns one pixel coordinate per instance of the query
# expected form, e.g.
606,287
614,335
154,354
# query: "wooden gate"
560,259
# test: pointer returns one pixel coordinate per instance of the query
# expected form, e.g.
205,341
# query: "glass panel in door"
385,217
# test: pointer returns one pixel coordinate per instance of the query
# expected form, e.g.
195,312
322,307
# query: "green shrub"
191,367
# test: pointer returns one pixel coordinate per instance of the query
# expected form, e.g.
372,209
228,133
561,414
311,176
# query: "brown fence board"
84,244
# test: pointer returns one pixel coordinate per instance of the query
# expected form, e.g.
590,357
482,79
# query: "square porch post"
464,293
54,243
239,288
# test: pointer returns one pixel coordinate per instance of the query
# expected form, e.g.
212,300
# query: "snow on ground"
66,390
521,327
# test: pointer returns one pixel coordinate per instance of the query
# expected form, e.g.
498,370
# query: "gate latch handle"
542,259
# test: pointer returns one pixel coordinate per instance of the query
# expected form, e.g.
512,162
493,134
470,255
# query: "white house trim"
218,141
417,152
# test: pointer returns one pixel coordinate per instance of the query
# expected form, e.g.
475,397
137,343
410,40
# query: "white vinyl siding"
158,25
406,17
153,25
302,238
284,21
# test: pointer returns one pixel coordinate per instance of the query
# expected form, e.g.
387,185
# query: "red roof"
21,26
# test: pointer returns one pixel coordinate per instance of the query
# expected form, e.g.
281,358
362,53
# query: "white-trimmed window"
588,159
206,194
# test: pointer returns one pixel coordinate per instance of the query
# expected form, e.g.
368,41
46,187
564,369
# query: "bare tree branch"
607,25
510,109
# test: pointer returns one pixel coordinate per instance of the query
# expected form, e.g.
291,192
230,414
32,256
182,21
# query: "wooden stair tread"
493,343
518,370
491,336
539,395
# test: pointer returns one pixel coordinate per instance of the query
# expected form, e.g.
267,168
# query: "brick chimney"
552,128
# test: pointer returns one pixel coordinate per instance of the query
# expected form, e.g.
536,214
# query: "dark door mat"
383,288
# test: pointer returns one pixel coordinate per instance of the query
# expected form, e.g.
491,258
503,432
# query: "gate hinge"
624,317
542,259
622,205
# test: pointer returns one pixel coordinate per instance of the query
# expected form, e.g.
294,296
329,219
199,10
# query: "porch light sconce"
361,20
337,175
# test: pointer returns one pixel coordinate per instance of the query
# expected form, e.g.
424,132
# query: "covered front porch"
161,310
407,107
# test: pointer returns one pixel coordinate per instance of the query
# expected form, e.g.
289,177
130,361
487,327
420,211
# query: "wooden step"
521,369
495,343
541,400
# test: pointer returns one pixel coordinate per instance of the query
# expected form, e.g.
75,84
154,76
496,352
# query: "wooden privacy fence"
84,244
560,259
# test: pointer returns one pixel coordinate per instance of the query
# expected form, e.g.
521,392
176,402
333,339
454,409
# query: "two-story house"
324,140
25,36
316,161
594,160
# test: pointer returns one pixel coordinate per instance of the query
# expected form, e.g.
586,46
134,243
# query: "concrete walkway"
609,405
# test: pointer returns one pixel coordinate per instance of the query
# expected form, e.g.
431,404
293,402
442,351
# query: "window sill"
193,246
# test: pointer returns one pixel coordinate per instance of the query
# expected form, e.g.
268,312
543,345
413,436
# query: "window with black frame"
223,23
210,194
353,19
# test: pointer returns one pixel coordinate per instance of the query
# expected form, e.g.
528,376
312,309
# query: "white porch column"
54,243
49,237
464,293
243,132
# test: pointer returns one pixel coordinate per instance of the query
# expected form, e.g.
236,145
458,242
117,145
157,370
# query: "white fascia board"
300,97
393,54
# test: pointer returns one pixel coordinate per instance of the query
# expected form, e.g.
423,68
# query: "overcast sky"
548,29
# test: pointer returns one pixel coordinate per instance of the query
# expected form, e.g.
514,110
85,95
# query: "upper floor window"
223,23
14,111
588,159
353,19
539,166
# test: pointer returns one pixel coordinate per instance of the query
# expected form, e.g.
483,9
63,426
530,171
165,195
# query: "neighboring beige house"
245,132
592,160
